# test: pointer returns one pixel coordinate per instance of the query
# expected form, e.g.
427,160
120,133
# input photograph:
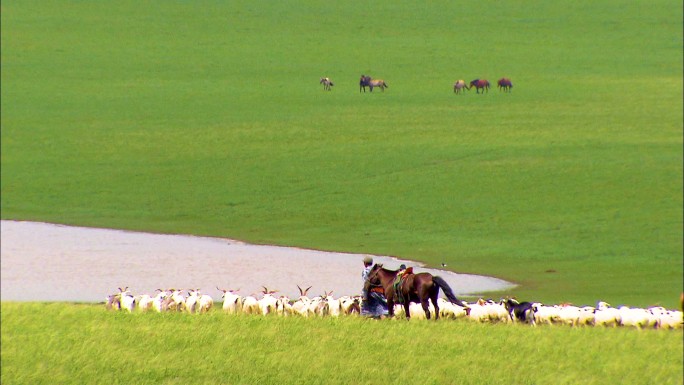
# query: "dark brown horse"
480,84
418,288
364,82
504,84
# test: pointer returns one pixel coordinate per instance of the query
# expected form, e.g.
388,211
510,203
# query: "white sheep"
576,316
671,319
448,310
606,315
544,314
497,311
478,312
636,317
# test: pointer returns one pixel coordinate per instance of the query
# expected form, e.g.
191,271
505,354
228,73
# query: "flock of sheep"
485,311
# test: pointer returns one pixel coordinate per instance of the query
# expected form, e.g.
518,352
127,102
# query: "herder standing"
374,303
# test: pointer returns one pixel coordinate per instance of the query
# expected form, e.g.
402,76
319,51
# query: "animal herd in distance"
460,86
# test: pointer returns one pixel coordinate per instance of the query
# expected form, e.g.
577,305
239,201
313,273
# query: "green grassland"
206,117
63,343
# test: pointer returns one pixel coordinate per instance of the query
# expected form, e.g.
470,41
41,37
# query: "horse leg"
433,297
390,307
407,309
425,304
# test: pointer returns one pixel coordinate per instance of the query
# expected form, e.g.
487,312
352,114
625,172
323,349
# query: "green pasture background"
206,117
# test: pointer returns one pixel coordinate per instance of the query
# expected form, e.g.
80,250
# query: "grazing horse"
460,85
377,83
364,82
504,84
480,84
418,288
327,83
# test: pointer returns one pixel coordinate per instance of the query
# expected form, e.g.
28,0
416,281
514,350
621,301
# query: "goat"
158,301
334,305
268,304
205,302
350,305
250,305
192,301
113,302
127,300
232,302
145,302
519,311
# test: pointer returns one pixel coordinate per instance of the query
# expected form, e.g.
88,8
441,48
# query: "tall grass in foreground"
79,344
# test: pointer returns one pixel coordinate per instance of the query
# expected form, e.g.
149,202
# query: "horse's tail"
442,284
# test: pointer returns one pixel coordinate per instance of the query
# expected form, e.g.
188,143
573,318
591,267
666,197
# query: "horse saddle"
399,282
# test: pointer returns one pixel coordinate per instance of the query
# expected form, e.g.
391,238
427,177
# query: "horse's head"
373,277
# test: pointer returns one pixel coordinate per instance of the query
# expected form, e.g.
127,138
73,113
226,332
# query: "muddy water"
47,262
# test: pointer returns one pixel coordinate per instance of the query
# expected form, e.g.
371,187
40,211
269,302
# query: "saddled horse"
364,82
480,84
460,85
327,83
419,288
504,84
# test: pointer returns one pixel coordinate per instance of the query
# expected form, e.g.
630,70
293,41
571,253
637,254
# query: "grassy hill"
207,118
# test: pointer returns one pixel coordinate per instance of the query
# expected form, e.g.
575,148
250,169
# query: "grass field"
207,118
77,344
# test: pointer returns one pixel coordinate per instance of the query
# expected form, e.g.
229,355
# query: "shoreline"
52,262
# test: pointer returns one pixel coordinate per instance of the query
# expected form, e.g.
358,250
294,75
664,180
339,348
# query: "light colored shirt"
366,273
